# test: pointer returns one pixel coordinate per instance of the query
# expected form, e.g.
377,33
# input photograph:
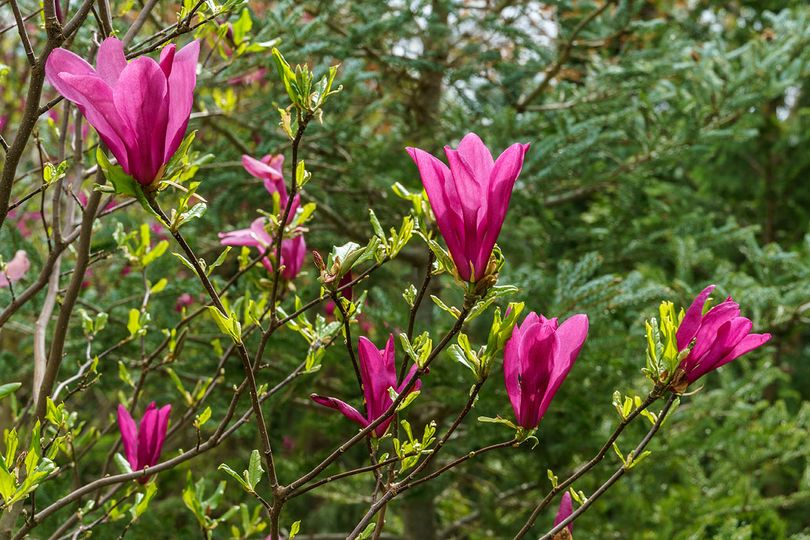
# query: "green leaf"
294,529
367,531
8,389
203,417
153,254
34,450
185,262
254,472
497,420
220,259
134,322
142,501
451,310
122,463
123,374
242,26
227,324
302,176
159,286
235,476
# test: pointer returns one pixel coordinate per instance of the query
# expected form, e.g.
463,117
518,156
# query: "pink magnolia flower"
15,269
719,336
566,509
140,109
24,222
536,360
293,250
183,301
378,372
470,198
143,443
269,170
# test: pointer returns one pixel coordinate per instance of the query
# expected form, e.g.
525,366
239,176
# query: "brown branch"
618,474
562,58
651,398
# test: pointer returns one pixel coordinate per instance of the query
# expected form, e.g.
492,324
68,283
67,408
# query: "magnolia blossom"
183,301
269,170
140,109
378,372
24,221
566,509
718,337
470,198
293,250
143,443
536,360
15,269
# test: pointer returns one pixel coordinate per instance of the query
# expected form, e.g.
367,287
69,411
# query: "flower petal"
376,379
129,436
181,82
110,60
566,509
140,97
293,254
16,268
571,336
259,168
162,424
147,435
445,202
710,325
691,321
501,181
341,406
78,82
511,370
167,59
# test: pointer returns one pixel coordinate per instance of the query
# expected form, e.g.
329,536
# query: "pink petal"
746,345
743,346
129,436
511,370
167,59
566,509
691,320
16,268
64,61
408,376
539,354
503,177
182,81
162,424
446,205
710,325
147,435
376,379
95,100
476,156
140,97
341,406
572,334
260,169
293,255
110,60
